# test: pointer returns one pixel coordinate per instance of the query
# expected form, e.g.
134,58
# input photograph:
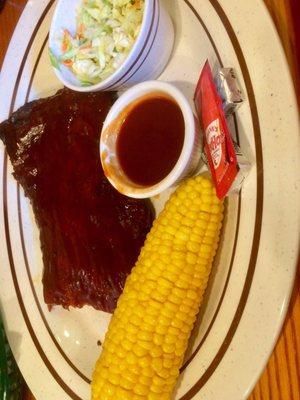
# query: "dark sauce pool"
150,140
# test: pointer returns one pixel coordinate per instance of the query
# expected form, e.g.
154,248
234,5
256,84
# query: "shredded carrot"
86,46
68,63
80,29
66,40
67,34
64,46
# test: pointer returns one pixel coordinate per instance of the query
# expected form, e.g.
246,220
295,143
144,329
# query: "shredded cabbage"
106,32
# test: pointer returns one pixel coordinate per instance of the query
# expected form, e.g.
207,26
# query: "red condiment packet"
218,144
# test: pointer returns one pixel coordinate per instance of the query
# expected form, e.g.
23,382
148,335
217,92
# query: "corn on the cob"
149,331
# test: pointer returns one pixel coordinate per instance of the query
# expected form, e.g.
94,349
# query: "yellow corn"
149,331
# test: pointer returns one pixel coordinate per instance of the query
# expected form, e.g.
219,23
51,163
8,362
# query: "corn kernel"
114,368
161,329
170,306
208,240
105,396
121,353
122,394
156,351
174,299
148,372
166,312
144,362
164,283
141,349
131,359
145,346
187,222
183,283
148,328
135,320
191,294
158,339
126,384
193,247
149,319
131,337
181,293
131,329
140,389
169,339
154,396
167,363
179,246
178,255
168,348
182,316
182,236
163,290
191,258
157,364
156,389
163,320
139,311
127,345
158,381
145,336
176,323
158,296
145,380
170,276
173,331
113,378
152,310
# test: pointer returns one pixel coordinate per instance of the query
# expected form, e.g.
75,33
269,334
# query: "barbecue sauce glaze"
150,140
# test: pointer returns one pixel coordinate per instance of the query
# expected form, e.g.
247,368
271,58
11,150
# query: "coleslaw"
106,32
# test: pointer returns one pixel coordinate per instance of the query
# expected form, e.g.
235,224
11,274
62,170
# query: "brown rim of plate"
255,246
63,354
205,335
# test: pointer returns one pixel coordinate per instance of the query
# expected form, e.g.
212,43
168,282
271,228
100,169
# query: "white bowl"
146,60
188,159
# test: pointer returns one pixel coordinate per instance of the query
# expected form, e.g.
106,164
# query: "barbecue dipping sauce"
150,139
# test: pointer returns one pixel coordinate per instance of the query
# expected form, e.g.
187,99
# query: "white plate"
252,278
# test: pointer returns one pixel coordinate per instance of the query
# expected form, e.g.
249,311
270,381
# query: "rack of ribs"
90,234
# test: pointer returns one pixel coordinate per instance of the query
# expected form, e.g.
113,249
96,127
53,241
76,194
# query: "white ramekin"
146,60
191,152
